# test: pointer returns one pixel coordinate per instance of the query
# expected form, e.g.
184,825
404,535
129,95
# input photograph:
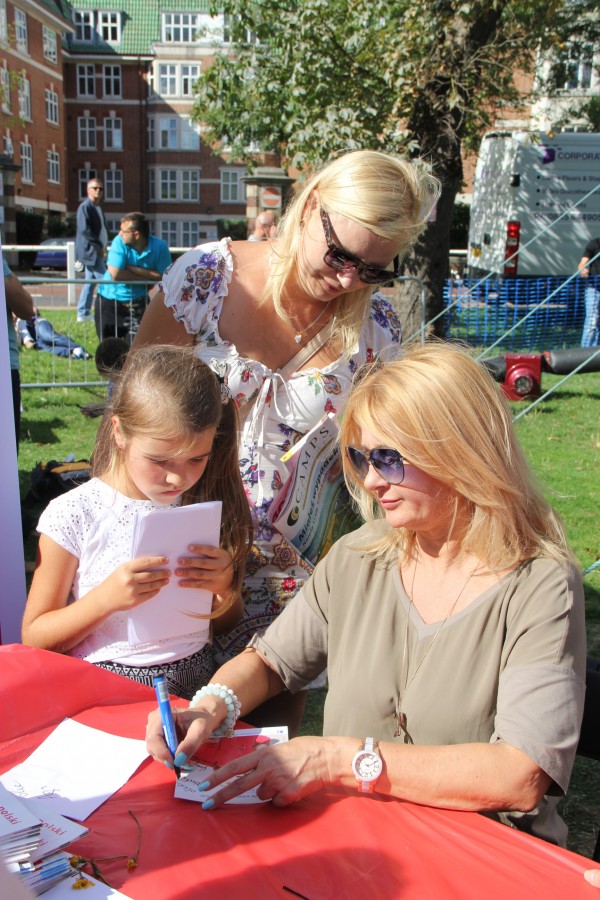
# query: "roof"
140,24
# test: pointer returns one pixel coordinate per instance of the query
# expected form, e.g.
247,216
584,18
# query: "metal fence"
494,311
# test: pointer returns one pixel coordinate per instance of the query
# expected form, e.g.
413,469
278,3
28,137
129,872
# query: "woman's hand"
133,582
283,773
211,569
195,726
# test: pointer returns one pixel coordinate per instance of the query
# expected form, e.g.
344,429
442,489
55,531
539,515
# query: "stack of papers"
30,841
169,532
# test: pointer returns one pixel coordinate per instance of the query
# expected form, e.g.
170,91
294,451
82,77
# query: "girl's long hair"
167,392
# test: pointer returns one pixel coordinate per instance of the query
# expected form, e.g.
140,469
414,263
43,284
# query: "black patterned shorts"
184,677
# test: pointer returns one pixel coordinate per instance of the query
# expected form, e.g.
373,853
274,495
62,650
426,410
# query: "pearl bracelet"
230,700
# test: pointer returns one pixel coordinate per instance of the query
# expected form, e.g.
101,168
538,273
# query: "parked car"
52,258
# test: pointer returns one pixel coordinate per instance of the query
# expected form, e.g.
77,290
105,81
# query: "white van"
523,181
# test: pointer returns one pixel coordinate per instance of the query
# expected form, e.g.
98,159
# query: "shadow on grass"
41,432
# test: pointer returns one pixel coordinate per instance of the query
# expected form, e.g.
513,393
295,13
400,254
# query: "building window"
167,129
50,45
113,134
51,106
27,163
190,184
5,89
233,33
167,80
168,184
579,70
190,234
150,130
168,232
109,26
3,21
53,166
83,19
24,97
179,28
111,79
190,138
86,133
232,186
113,184
86,81
189,74
21,30
8,148
85,175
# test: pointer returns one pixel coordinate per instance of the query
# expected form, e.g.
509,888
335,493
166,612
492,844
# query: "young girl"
168,438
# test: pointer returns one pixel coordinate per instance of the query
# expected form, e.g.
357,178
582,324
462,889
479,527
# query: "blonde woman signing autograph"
451,624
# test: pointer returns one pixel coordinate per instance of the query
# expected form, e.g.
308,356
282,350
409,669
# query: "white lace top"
94,522
276,408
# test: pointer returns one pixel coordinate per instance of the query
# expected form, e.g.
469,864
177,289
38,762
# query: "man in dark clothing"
90,240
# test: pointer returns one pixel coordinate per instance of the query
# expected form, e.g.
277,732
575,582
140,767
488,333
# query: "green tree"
312,77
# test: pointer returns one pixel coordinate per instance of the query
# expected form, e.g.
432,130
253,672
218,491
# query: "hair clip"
221,370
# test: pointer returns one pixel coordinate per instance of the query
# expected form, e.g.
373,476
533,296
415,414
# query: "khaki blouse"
509,667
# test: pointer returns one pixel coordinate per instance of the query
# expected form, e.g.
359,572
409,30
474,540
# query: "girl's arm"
159,326
51,623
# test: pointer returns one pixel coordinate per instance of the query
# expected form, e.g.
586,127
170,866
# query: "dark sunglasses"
387,462
340,260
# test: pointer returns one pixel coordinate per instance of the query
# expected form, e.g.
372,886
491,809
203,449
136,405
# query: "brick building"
32,119
130,67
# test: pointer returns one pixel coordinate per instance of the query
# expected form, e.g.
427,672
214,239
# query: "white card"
169,532
215,754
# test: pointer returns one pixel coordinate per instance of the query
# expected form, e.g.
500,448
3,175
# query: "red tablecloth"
328,846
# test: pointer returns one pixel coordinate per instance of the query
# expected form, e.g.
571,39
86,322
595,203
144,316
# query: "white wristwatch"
367,765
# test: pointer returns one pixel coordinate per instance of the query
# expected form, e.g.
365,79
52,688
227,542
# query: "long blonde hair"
166,391
391,197
443,411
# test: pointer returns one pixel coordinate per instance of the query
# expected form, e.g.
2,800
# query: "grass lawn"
561,438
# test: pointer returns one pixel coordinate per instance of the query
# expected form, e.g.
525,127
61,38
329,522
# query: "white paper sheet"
169,532
217,753
75,769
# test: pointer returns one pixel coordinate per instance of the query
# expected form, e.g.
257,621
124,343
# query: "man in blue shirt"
134,256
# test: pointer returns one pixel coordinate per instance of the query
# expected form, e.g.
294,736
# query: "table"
327,846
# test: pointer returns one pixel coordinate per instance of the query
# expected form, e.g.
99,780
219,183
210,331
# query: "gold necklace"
399,715
298,335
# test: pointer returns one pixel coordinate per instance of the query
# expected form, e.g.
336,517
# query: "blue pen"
166,714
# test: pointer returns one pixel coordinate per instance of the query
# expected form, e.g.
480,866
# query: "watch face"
367,765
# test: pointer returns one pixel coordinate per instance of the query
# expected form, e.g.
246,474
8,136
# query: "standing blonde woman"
451,624
289,321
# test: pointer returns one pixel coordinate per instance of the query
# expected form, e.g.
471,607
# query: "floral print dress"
274,411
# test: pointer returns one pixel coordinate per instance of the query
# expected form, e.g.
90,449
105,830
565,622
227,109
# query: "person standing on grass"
19,303
135,255
591,328
90,242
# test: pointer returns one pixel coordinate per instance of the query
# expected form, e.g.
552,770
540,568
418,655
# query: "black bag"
51,479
